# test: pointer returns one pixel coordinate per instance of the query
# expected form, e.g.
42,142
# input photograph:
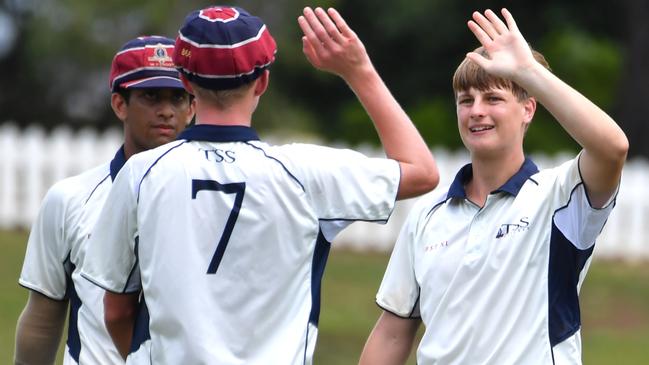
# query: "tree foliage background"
55,58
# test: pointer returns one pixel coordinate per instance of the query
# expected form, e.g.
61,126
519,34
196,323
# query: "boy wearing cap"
228,236
493,265
149,98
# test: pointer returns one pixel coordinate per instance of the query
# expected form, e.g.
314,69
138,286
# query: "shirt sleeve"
399,290
111,252
44,268
577,220
346,185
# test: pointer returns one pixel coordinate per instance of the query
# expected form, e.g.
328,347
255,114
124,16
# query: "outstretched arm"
391,340
604,143
330,45
39,328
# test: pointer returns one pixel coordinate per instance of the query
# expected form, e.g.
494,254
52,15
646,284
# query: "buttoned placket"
479,230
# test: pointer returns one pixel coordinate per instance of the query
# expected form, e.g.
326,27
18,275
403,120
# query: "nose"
477,109
165,109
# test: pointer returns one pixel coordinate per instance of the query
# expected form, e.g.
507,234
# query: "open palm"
509,53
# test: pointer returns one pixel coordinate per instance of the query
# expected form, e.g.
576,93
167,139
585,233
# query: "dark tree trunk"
632,110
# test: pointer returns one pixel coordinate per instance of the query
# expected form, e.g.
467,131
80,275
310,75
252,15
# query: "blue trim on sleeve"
565,266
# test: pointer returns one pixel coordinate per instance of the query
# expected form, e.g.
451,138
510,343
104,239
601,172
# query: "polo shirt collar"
219,133
118,161
512,186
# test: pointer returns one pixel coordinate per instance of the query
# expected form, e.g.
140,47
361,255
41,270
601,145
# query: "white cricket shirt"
55,252
497,284
228,238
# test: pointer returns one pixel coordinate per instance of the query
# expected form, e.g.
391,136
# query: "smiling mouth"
481,128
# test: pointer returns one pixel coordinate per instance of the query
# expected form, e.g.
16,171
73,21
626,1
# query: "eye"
180,97
464,101
150,94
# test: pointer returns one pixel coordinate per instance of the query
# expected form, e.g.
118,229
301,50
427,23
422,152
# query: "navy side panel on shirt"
74,342
566,263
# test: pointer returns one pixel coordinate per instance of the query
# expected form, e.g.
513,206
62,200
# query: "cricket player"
493,265
150,100
227,236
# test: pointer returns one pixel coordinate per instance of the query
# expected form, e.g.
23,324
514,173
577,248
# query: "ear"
262,83
191,112
529,108
186,84
119,105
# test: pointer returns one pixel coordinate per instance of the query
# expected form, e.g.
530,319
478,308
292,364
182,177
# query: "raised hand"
509,53
330,45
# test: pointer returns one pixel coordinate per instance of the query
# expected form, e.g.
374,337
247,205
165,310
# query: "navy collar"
219,133
512,186
116,164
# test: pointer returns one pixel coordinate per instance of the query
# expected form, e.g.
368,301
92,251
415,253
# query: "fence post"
8,176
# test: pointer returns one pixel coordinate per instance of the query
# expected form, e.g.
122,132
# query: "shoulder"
141,163
431,200
426,205
306,150
565,174
154,155
78,187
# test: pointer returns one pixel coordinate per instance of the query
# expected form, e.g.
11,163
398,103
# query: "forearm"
590,126
391,341
382,351
605,144
400,138
120,311
39,329
121,332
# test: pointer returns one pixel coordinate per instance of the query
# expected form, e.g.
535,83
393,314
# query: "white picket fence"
31,161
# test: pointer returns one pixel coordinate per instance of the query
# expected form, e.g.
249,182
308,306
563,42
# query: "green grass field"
615,307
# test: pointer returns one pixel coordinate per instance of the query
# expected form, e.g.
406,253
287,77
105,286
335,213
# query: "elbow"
116,316
623,147
414,185
118,312
618,150
430,180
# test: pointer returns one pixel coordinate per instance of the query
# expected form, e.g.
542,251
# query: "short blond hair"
222,99
470,75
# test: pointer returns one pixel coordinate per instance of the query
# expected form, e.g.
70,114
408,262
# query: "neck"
222,117
239,113
491,173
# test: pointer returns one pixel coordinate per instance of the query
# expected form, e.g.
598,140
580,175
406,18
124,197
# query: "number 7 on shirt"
231,188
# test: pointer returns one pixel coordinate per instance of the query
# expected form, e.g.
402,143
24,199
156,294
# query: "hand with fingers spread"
330,45
509,53
497,88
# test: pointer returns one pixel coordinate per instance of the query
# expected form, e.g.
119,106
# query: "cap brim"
154,82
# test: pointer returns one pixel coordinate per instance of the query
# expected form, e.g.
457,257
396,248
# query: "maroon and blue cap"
222,48
145,62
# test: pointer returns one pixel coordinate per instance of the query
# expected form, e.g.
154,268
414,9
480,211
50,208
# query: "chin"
485,151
